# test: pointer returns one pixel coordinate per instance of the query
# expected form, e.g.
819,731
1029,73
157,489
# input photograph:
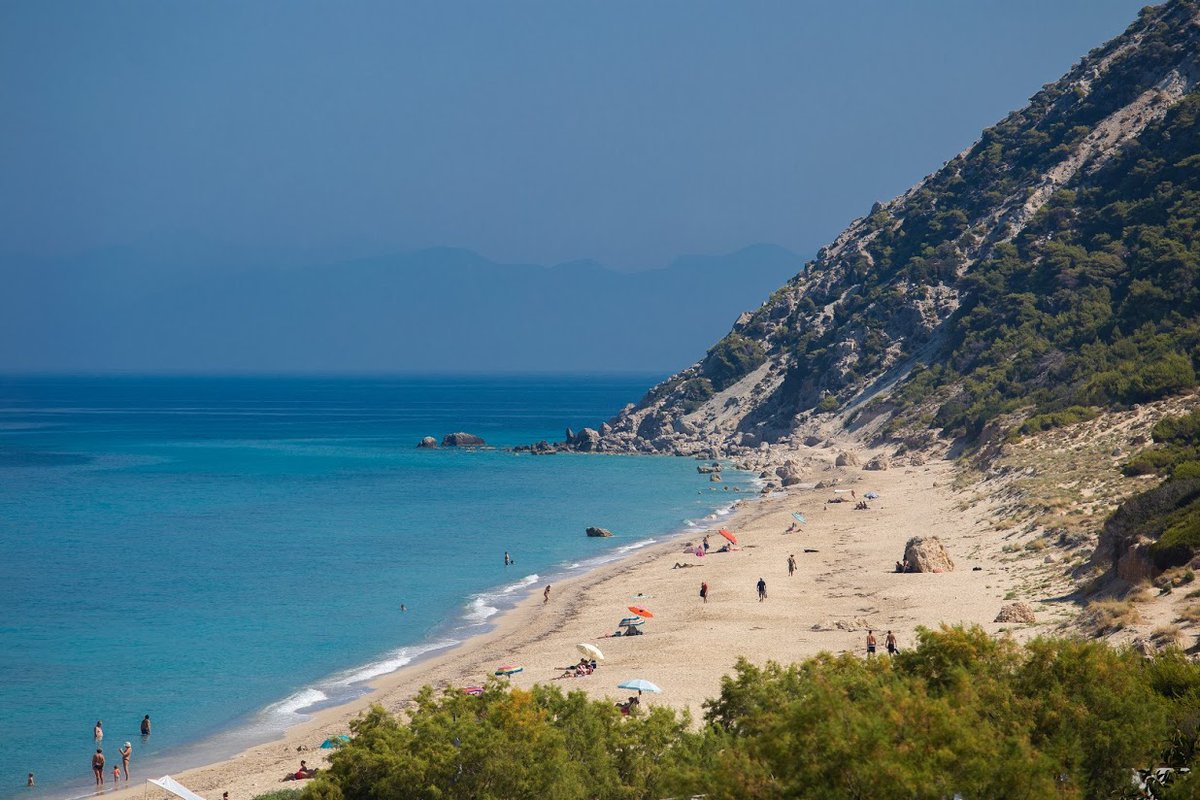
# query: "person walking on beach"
705,543
126,752
546,595
98,731
704,591
870,643
890,642
762,590
98,766
791,565
146,725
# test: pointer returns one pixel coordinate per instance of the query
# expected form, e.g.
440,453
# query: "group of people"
629,705
583,668
889,642
98,760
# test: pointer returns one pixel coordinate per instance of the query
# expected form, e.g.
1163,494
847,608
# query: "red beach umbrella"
728,535
641,611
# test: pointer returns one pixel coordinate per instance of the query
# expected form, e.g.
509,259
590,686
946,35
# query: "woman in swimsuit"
98,766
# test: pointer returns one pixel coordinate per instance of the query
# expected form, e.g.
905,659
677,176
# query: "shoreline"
440,646
843,586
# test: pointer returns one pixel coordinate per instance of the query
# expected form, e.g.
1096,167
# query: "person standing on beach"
870,643
146,725
546,595
126,752
890,642
762,590
98,766
98,731
704,591
791,565
705,543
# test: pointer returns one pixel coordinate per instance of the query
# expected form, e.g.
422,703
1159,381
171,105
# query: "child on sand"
546,595
704,591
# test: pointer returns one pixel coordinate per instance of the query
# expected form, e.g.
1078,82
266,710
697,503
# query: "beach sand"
846,586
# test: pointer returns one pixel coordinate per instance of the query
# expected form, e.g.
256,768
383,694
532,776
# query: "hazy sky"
624,131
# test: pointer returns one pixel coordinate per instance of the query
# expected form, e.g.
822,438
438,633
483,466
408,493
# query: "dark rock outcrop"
599,533
462,440
428,441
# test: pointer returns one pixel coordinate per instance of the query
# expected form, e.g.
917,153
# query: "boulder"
1017,612
715,477
708,469
879,462
587,440
461,439
599,533
428,441
845,459
605,429
926,554
812,441
570,434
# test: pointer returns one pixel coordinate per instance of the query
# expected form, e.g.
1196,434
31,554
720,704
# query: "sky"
537,132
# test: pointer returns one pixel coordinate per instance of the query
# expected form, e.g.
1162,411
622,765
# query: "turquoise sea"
226,553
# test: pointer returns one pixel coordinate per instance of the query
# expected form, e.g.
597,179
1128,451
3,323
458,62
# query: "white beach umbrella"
590,650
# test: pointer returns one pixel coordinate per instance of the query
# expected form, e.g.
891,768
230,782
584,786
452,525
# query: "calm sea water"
226,553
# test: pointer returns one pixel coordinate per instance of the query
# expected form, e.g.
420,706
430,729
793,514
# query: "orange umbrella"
728,535
640,611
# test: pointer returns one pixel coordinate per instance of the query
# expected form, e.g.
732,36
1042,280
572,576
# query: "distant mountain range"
185,309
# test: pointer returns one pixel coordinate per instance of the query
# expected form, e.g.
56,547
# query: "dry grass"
1110,616
1166,636
1189,614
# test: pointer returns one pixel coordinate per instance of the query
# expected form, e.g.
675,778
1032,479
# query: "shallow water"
224,553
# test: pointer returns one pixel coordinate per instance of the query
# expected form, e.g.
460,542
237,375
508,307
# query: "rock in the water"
715,477
926,554
428,441
587,440
877,463
570,434
1017,612
708,469
845,459
599,533
461,439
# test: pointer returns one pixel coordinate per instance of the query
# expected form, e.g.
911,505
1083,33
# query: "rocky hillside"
1050,271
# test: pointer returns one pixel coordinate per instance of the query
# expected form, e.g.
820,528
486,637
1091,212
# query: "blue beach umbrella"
639,685
799,517
334,741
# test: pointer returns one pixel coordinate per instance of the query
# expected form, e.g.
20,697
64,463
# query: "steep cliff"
1050,270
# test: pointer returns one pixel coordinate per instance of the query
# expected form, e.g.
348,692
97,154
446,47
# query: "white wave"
724,512
690,523
636,545
478,610
296,701
391,662
525,582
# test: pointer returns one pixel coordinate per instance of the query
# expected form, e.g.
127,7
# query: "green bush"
731,359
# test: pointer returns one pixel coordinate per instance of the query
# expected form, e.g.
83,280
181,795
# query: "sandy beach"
844,584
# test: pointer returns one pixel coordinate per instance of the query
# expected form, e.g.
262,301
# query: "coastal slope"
1051,265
